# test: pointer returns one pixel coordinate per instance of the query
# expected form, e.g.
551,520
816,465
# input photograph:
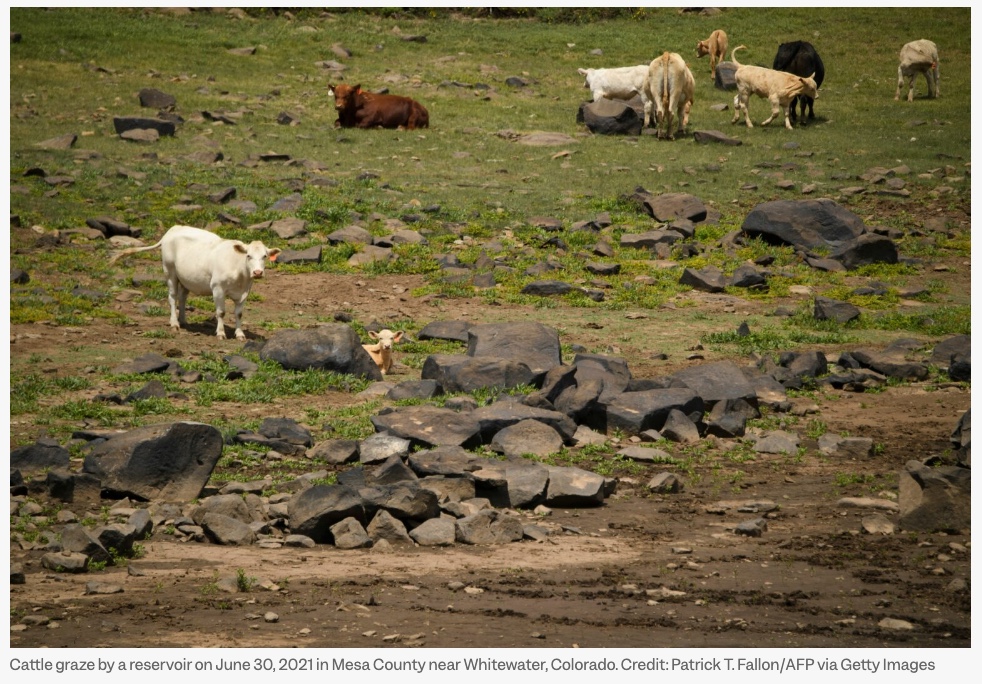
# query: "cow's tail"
126,252
733,54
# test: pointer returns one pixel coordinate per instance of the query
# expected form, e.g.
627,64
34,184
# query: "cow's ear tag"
273,257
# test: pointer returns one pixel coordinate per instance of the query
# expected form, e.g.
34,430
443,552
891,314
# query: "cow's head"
586,74
344,95
256,254
385,338
809,87
702,48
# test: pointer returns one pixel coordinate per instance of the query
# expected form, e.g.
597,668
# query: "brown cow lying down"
358,109
778,87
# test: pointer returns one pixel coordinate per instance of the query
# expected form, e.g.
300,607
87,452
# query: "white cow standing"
202,263
918,57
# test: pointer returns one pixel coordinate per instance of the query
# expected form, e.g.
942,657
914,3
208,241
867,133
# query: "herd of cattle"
667,88
199,262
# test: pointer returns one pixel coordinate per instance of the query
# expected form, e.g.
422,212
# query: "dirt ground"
813,578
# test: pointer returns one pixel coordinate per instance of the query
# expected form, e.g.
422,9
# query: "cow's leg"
736,108
218,294
900,82
182,300
173,297
932,88
775,110
239,306
937,80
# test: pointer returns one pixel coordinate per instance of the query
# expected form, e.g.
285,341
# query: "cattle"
801,59
918,57
202,263
714,46
670,87
621,83
778,87
381,351
359,109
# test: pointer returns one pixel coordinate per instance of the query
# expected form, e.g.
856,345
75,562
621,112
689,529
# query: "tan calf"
381,351
778,87
918,57
715,46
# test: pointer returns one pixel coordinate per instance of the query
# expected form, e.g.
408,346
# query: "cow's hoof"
240,336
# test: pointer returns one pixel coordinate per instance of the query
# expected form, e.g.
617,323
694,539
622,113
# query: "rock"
635,412
877,524
459,373
673,205
610,117
868,502
122,124
777,442
746,275
156,99
78,540
62,142
511,484
533,344
527,437
945,351
382,446
385,526
548,288
573,488
504,413
488,527
225,530
835,310
430,426
331,346
229,505
895,624
935,499
714,136
665,483
43,455
65,561
335,451
414,389
435,532
445,330
349,534
315,510
393,470
148,363
961,439
806,224
171,461
725,76
846,447
867,249
289,228
449,488
751,528
311,255
728,418
679,427
708,279
714,382
351,235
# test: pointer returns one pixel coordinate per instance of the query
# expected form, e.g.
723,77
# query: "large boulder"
935,499
805,224
511,484
315,510
866,249
430,426
506,412
44,454
459,373
334,347
635,412
168,461
715,382
534,344
610,117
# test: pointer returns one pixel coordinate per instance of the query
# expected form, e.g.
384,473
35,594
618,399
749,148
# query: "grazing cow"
670,87
203,263
801,59
381,351
715,46
621,83
918,57
778,87
358,109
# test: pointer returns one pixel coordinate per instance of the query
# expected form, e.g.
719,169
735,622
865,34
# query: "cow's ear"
240,247
356,88
398,336
273,253
372,334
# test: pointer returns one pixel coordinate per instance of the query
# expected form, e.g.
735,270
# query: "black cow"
801,59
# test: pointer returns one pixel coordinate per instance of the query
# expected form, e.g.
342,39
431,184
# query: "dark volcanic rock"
833,309
333,346
458,373
170,461
610,117
44,454
806,224
534,344
430,426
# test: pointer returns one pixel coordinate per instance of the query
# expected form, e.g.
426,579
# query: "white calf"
381,352
203,263
622,83
918,57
